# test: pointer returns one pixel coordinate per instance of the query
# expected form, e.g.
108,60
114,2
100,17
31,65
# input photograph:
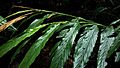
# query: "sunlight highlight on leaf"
85,46
106,43
62,49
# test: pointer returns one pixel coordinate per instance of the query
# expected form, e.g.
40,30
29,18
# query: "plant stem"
39,10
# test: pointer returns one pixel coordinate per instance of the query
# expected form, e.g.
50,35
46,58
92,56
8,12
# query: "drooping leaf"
62,51
34,24
37,47
61,35
85,47
115,45
27,33
106,43
24,22
18,50
15,41
65,25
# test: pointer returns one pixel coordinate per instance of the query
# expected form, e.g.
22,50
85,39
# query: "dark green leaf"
15,41
62,51
24,22
37,47
85,47
27,33
65,25
18,50
115,45
34,24
61,35
106,43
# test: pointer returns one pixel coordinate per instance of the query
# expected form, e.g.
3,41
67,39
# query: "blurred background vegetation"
101,11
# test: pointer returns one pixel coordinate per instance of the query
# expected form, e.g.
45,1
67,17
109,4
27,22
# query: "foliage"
85,46
70,32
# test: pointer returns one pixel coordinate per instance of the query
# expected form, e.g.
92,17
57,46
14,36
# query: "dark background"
100,11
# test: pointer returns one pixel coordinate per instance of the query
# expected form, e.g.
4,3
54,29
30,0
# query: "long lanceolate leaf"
115,45
116,41
37,47
15,41
27,33
61,35
106,43
61,53
85,46
18,50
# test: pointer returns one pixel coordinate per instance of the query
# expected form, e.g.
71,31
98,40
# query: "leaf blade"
27,33
15,41
106,43
84,47
62,52
114,46
18,50
36,47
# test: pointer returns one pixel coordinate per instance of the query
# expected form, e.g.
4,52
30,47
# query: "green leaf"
61,35
25,20
62,51
18,50
106,43
85,47
115,45
27,33
37,47
15,41
3,21
34,24
65,25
